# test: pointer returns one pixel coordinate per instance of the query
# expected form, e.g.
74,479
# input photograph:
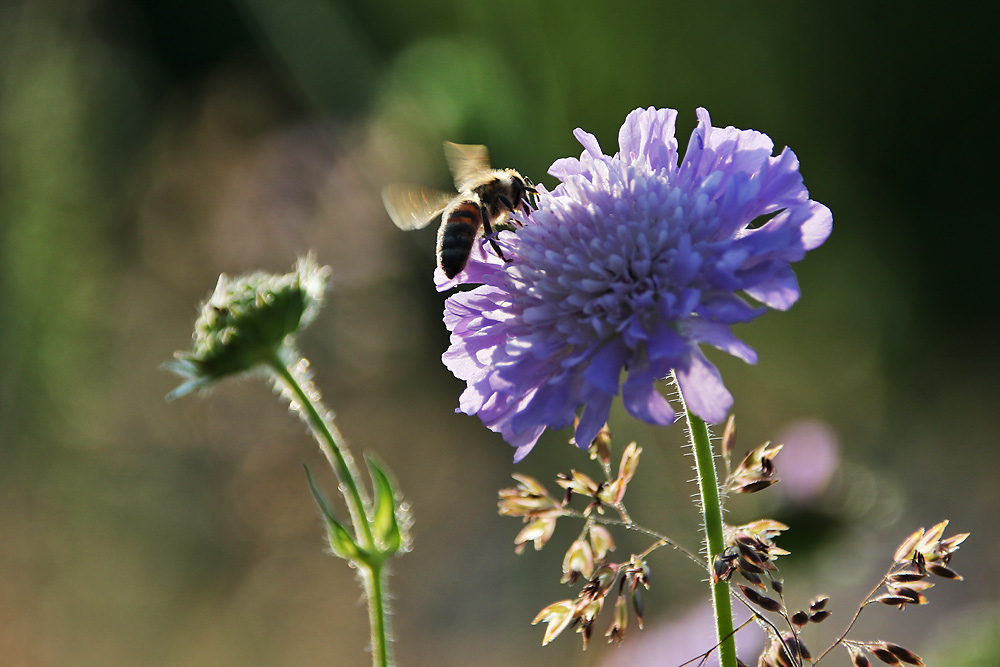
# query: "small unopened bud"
858,658
943,571
946,547
245,322
629,463
601,582
637,573
637,605
884,654
764,602
904,654
756,471
911,595
601,542
600,448
587,612
905,551
799,619
616,633
557,616
578,483
932,537
724,565
538,531
819,603
765,529
892,600
728,438
528,499
579,560
529,485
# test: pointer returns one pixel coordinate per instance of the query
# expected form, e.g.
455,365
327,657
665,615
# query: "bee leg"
488,230
522,205
529,192
525,204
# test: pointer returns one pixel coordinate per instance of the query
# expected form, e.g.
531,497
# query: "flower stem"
711,509
374,578
292,377
331,443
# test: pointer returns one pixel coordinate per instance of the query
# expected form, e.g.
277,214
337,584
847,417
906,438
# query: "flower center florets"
616,254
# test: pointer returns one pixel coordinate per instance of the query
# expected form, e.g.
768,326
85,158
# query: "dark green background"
145,147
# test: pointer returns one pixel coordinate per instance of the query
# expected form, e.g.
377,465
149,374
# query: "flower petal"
605,367
649,133
720,336
594,417
778,292
644,402
817,228
701,386
589,143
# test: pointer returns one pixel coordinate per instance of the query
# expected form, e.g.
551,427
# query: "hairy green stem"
711,509
334,447
331,443
374,578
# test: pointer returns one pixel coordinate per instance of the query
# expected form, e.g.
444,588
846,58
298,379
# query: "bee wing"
467,163
412,206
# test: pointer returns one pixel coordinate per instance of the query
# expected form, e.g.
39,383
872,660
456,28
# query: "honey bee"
485,198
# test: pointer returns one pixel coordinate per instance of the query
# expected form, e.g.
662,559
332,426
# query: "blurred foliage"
148,146
975,644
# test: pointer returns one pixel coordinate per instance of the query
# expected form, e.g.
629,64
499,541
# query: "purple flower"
629,265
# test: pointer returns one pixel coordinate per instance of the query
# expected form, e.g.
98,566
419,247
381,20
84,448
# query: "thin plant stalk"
370,563
711,509
331,443
374,579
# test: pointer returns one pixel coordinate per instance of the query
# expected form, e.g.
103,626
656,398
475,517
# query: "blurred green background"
147,146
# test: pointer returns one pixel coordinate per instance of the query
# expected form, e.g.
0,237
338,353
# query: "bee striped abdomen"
458,233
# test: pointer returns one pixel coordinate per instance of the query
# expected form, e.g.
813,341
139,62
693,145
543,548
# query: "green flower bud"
245,323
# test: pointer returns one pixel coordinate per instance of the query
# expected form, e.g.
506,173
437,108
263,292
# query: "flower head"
628,266
245,322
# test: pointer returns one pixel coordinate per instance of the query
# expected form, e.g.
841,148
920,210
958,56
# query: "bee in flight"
485,198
